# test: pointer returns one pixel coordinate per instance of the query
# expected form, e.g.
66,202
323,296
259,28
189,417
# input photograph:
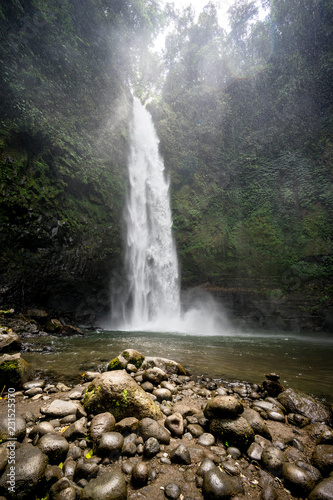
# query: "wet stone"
218,485
59,408
154,375
175,424
128,424
195,429
323,490
103,422
150,428
255,451
162,394
69,468
33,391
272,460
226,407
172,491
30,465
275,415
147,386
41,429
151,447
54,446
326,437
270,492
74,451
129,449
69,419
237,432
322,458
206,439
77,429
313,472
52,474
234,452
297,480
109,486
180,455
109,443
33,384
19,428
298,420
230,467
257,423
4,454
140,474
86,469
67,494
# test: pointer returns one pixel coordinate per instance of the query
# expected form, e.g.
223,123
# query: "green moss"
114,365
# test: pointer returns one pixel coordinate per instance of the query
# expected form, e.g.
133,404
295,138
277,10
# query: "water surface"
303,361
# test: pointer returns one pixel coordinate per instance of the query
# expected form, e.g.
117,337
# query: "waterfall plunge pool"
303,361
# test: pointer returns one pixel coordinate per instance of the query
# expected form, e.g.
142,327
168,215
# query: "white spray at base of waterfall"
151,262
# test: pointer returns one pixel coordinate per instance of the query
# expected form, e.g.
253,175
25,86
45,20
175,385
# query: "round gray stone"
109,443
206,439
272,460
172,491
140,473
217,485
54,446
103,422
151,447
150,428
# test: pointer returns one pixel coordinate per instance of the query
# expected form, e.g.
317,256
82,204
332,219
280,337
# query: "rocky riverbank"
145,428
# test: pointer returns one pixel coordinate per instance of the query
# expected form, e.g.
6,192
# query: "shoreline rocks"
207,439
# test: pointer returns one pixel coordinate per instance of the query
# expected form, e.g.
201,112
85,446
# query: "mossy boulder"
117,392
14,371
129,356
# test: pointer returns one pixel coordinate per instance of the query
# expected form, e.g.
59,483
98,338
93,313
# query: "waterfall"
153,295
151,258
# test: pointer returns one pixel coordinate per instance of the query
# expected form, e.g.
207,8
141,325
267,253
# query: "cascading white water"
151,258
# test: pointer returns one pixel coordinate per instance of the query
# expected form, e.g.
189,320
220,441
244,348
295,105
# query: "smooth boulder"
14,371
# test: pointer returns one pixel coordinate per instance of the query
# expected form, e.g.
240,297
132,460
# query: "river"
304,361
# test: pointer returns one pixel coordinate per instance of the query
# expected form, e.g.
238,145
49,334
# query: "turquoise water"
304,362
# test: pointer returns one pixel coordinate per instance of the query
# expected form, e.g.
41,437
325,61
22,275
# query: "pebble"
180,455
172,491
151,447
140,474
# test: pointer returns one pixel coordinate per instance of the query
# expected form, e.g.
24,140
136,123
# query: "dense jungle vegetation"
244,117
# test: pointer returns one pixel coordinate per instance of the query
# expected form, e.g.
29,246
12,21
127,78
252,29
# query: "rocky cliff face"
60,228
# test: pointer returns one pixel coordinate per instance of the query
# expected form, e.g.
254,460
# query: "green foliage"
245,125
